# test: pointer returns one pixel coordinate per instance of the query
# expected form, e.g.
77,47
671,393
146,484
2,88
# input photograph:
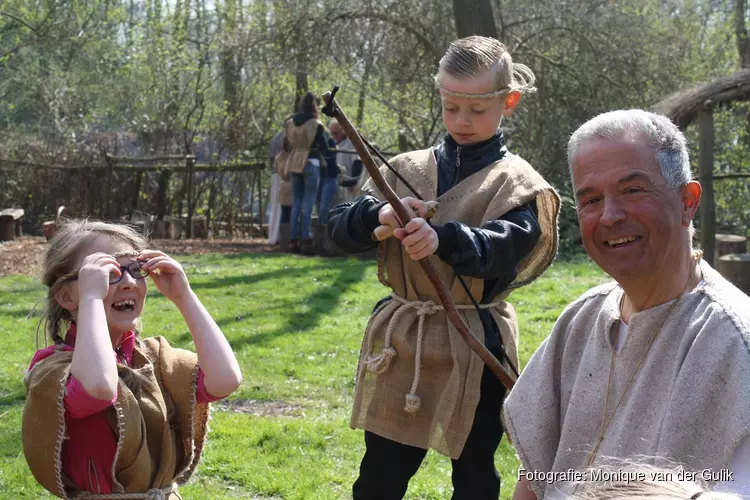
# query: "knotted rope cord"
152,494
380,363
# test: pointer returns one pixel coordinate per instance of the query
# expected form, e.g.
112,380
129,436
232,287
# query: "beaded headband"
463,95
522,75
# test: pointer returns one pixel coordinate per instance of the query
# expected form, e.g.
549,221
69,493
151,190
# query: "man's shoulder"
728,301
593,298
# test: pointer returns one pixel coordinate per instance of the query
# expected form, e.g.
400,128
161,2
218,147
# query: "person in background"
274,201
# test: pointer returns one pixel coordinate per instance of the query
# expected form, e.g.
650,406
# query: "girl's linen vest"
160,435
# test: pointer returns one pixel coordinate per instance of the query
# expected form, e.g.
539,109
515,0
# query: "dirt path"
25,254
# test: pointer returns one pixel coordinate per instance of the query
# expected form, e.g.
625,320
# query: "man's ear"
65,298
511,102
691,195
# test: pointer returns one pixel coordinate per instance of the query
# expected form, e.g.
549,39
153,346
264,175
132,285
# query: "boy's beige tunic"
450,373
690,402
153,452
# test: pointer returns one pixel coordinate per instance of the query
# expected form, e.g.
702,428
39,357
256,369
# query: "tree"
474,17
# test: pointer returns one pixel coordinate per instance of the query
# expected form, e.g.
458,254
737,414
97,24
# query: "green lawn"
296,326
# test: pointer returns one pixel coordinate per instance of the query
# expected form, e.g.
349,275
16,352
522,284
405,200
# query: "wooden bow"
332,109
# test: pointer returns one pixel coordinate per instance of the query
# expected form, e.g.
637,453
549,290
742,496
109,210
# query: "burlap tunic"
689,403
154,452
299,140
410,345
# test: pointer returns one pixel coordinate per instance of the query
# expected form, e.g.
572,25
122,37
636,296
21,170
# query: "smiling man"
656,364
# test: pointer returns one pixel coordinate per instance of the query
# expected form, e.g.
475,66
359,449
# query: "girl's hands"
167,274
94,275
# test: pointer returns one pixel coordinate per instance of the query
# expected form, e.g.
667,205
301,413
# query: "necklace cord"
606,421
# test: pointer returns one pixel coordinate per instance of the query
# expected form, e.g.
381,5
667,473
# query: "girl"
419,386
307,159
106,411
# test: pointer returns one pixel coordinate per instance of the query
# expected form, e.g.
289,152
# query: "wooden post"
110,171
260,203
162,193
705,169
136,192
190,167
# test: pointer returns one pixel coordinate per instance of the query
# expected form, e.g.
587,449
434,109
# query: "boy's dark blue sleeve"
493,251
350,225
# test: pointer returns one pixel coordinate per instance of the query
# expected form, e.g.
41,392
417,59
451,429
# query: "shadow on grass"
248,279
321,303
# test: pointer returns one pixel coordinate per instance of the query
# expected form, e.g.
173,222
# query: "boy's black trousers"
388,466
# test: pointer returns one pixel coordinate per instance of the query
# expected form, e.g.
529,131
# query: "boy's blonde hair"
62,254
470,56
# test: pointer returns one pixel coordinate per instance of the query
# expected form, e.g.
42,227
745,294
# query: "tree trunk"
743,42
369,49
136,192
161,194
302,85
474,17
231,65
705,167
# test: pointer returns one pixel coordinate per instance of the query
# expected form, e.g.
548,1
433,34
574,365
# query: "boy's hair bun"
470,56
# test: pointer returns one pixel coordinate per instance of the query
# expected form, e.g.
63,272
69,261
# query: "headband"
490,95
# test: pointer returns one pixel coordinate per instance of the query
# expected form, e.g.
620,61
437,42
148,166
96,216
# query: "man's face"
632,224
337,132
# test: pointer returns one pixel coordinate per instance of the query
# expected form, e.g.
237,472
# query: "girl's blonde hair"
655,483
63,252
470,56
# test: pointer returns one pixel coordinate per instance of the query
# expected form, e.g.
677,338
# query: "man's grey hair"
662,135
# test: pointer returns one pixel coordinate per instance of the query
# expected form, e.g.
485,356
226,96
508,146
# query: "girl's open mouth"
124,305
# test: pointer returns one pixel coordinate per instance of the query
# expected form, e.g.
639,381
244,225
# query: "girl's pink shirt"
88,451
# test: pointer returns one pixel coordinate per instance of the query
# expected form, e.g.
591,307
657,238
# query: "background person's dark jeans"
286,214
388,466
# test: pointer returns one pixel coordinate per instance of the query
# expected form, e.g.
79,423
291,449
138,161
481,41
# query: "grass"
296,326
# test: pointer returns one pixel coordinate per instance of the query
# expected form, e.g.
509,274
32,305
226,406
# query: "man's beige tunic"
689,403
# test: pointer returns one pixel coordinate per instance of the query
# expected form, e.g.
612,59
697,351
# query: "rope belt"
152,494
380,363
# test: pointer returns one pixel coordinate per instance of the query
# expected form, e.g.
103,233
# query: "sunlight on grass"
296,325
